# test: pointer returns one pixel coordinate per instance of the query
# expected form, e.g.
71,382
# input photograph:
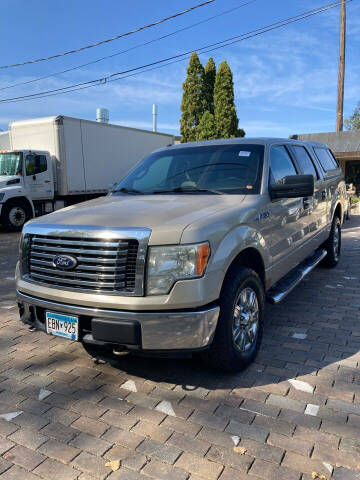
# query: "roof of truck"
246,140
58,119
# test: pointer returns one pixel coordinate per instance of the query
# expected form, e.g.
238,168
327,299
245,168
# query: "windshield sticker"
249,187
244,154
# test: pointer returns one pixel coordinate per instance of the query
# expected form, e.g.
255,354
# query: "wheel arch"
338,212
14,200
250,257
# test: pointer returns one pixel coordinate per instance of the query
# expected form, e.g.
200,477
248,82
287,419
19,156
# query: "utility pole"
341,77
155,115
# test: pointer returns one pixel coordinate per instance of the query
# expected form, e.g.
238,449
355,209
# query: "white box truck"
4,141
58,161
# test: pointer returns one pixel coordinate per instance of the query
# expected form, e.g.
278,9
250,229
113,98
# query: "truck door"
38,176
286,225
314,207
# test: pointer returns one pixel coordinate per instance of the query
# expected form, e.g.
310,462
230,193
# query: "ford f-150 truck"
183,254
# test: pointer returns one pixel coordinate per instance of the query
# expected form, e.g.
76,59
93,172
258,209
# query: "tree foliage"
209,84
207,127
208,107
193,100
353,122
224,107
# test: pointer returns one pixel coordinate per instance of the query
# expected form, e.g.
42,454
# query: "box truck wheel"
14,214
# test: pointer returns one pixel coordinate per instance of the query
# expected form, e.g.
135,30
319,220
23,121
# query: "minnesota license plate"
62,325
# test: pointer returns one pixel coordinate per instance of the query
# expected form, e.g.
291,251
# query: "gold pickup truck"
184,252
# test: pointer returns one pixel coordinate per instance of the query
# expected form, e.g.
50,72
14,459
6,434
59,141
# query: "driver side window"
281,164
155,174
35,164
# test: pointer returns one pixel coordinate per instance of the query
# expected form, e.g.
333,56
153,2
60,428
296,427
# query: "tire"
333,245
15,214
225,354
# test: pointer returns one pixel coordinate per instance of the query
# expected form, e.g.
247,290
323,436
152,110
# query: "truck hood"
5,178
166,215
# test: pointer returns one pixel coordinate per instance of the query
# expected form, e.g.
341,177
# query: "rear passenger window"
326,159
305,161
281,164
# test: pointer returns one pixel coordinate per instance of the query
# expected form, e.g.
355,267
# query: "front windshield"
10,163
220,169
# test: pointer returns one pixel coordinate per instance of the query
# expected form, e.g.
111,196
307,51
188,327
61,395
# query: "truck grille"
102,265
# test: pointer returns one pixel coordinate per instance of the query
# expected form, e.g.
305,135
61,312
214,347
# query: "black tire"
15,214
333,245
224,354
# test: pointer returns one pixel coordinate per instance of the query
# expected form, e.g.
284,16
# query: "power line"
129,49
108,40
175,58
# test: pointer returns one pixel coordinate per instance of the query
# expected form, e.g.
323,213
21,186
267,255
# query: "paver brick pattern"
63,417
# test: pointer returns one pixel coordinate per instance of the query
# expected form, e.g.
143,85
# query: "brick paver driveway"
295,412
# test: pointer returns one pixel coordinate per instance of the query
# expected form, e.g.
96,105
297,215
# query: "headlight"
168,264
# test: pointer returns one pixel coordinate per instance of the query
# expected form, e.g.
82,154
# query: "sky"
285,81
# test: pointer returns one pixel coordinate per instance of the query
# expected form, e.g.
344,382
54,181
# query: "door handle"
324,194
47,181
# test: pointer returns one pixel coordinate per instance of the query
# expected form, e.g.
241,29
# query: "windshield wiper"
187,190
128,190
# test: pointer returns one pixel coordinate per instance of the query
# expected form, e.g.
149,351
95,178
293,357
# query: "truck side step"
283,287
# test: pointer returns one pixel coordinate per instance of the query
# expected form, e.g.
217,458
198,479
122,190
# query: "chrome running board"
283,287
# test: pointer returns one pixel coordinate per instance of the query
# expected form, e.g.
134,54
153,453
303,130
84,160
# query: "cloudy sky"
285,80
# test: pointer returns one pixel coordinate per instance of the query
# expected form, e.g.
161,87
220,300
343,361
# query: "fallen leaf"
240,449
315,475
114,465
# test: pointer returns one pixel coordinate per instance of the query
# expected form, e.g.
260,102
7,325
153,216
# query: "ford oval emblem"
65,262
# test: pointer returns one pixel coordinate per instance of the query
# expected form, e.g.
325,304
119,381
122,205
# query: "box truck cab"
25,177
55,162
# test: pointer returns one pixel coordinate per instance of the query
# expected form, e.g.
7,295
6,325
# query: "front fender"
236,241
12,193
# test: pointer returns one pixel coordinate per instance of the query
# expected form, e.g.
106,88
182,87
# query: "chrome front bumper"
160,330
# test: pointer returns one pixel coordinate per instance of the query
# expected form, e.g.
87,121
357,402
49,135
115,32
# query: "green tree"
209,84
224,107
193,100
353,122
207,127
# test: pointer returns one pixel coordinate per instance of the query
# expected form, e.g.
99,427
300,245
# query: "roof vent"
102,115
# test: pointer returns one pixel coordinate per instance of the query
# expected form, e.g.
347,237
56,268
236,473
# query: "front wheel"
14,215
240,325
333,245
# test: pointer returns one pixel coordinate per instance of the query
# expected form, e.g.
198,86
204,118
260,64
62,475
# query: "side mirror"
34,177
294,186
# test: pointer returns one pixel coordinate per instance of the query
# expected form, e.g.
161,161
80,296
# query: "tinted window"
35,164
305,161
41,163
157,172
281,164
228,168
326,159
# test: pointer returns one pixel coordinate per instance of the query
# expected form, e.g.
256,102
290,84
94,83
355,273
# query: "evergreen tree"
193,101
353,122
209,83
207,127
224,106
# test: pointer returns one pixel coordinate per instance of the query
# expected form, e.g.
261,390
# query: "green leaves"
224,107
353,122
208,107
193,101
206,129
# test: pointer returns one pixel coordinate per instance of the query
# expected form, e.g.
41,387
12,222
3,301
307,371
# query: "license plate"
62,325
